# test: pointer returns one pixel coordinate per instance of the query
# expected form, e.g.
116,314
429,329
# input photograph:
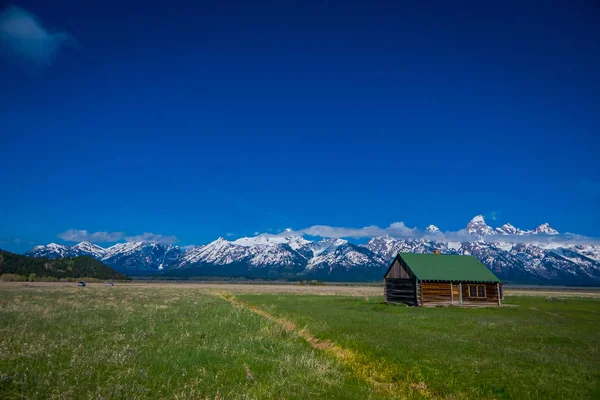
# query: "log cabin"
441,279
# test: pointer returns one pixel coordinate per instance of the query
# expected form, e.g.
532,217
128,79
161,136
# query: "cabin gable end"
399,270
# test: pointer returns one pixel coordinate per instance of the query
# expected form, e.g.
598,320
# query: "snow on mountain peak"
86,245
89,249
432,229
478,218
295,242
477,226
508,229
325,245
545,228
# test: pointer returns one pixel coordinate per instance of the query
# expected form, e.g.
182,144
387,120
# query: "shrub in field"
12,278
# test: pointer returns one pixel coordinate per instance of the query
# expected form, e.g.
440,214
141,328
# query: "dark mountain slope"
76,267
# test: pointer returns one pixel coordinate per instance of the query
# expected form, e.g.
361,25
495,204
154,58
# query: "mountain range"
513,254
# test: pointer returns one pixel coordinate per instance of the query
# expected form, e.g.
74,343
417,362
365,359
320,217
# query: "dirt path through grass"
377,374
547,312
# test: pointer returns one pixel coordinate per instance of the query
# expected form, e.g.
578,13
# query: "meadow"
273,342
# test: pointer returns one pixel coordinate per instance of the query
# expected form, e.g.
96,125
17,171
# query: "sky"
180,122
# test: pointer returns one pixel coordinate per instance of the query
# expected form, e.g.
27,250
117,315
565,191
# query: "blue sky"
195,120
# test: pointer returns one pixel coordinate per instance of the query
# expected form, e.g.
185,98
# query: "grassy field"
239,342
536,350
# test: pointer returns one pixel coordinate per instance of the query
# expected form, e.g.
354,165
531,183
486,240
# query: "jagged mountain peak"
86,245
478,218
86,248
291,256
477,226
545,228
432,229
508,229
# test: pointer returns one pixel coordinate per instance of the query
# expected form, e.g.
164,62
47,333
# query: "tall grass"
536,350
128,343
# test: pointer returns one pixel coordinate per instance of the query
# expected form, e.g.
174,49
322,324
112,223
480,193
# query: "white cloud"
152,237
23,38
189,246
397,229
80,235
339,232
400,231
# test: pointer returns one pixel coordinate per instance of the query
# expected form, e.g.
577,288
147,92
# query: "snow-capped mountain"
140,256
432,229
89,249
508,229
477,226
337,259
51,250
546,229
515,255
265,252
125,257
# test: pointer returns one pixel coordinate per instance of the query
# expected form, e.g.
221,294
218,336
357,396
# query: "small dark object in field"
111,284
310,283
555,300
81,284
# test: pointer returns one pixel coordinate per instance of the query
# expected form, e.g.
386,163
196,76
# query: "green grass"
515,352
131,342
127,343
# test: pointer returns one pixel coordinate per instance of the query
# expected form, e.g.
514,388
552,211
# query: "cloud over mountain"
152,238
81,235
399,230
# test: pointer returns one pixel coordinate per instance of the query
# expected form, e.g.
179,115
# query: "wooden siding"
491,294
398,271
400,291
436,293
447,293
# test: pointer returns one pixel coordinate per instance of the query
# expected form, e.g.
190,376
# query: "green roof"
448,267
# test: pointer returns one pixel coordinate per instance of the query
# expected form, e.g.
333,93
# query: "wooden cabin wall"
400,291
436,293
398,271
490,290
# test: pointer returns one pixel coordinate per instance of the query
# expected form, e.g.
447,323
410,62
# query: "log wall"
490,291
400,291
443,293
436,293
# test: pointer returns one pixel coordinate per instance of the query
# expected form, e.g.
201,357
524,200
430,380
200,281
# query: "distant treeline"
22,268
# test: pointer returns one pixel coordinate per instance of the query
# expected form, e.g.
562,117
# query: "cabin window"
477,291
